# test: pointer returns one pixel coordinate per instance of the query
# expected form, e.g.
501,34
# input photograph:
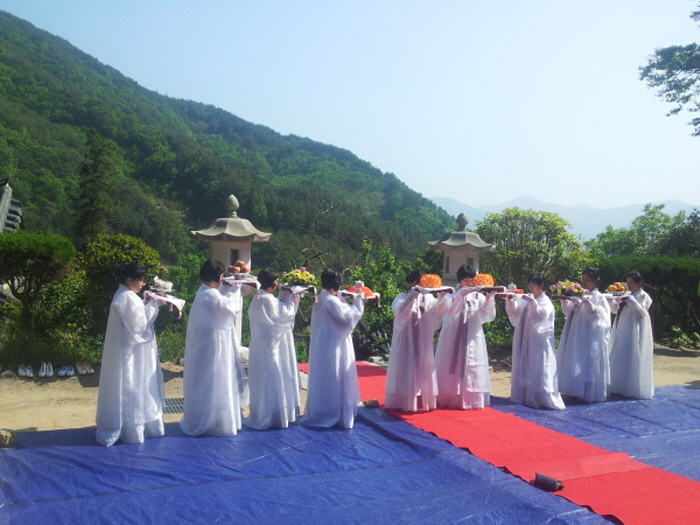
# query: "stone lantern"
231,239
460,247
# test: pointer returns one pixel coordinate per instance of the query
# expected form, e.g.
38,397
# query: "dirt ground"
58,402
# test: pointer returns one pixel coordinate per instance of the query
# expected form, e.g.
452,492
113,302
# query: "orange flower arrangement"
484,279
430,280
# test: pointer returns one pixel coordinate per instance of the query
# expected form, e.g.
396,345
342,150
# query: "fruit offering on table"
484,279
239,267
430,280
617,287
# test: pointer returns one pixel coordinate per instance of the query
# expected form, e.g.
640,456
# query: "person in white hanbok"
130,397
583,364
333,390
533,379
462,359
272,365
411,383
632,343
212,384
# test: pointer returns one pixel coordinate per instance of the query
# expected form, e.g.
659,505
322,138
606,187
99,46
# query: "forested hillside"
176,161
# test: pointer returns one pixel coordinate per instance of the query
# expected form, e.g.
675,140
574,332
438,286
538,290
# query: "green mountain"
178,160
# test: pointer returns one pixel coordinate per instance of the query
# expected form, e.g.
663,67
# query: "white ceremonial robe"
334,390
272,366
462,361
212,385
632,348
130,398
583,364
235,294
411,383
533,380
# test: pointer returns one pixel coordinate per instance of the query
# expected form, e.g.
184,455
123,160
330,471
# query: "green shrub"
171,341
28,263
99,263
672,283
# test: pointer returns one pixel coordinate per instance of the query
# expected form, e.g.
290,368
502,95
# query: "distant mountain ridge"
586,221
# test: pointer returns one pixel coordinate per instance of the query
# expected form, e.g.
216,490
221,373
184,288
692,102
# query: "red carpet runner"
609,483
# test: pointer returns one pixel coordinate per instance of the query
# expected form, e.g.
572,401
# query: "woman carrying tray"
213,385
631,343
462,361
411,383
533,380
583,365
130,398
334,389
272,369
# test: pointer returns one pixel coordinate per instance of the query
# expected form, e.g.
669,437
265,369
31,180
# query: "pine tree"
97,173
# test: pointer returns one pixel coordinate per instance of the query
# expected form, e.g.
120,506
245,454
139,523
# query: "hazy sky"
478,100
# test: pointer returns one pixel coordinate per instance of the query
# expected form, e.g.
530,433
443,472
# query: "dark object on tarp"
546,483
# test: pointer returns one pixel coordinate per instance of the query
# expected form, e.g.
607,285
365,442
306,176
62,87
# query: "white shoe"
7,438
88,367
30,371
62,371
70,371
80,367
49,369
22,371
42,370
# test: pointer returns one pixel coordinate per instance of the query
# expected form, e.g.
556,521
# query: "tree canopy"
28,263
675,72
527,242
652,233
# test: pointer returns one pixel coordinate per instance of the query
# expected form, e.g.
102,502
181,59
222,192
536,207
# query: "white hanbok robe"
533,379
411,383
632,348
334,390
212,378
583,364
272,365
462,361
130,398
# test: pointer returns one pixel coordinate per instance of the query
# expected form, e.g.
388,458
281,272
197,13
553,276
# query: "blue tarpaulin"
382,471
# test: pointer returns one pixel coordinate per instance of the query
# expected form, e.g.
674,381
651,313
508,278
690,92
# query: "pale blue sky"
478,100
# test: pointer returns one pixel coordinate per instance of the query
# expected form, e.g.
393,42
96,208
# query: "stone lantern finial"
232,205
462,222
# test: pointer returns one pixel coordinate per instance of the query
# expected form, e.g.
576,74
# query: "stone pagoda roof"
231,228
462,237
